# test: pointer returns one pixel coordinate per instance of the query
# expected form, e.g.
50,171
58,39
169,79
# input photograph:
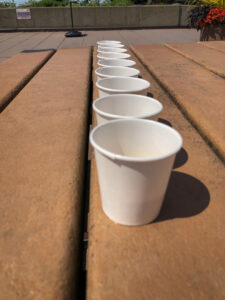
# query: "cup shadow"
37,50
182,156
150,95
163,121
186,196
180,159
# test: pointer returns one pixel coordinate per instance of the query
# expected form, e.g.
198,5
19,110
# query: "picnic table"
50,206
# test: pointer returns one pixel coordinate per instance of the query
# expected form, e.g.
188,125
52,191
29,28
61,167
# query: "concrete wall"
98,17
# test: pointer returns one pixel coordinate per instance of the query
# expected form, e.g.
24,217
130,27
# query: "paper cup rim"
112,67
143,116
126,55
110,45
108,41
112,51
119,90
115,156
101,63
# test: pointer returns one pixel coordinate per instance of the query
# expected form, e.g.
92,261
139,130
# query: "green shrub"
44,3
209,3
7,4
117,3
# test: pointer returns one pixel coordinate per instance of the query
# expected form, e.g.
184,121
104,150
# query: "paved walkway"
15,42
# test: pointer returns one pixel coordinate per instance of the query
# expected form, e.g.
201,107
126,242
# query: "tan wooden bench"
197,91
43,136
181,254
43,139
209,58
218,45
17,71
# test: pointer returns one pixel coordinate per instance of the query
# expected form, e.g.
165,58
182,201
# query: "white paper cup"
122,85
134,161
113,55
126,106
108,41
115,44
118,46
107,72
110,49
116,63
110,44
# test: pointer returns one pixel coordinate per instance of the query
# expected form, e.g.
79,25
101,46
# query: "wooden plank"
208,58
181,254
17,71
218,45
199,92
42,145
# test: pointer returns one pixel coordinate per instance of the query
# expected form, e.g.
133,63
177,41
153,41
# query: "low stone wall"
153,16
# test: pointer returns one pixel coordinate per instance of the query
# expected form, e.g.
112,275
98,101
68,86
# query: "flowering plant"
206,12
215,16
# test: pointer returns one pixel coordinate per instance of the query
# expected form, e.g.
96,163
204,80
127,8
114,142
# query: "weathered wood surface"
42,150
181,254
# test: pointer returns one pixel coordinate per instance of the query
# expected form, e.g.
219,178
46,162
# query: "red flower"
215,16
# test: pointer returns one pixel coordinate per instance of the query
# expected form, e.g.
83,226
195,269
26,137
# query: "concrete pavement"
13,43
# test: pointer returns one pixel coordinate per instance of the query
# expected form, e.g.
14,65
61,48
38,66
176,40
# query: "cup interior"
136,139
116,63
106,55
123,84
117,71
109,41
110,49
128,105
110,44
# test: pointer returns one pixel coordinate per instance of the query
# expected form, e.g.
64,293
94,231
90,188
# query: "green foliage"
201,10
51,3
117,3
44,3
209,3
91,3
196,14
7,4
